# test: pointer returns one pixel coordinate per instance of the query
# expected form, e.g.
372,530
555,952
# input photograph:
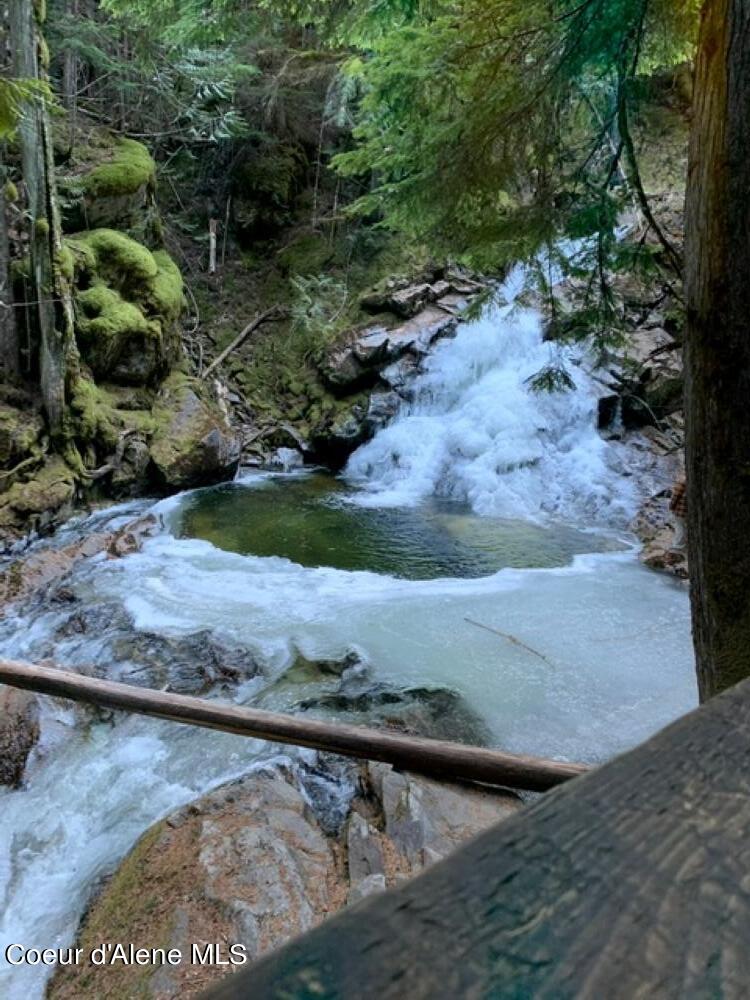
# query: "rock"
422,711
363,849
367,887
20,430
382,408
194,444
357,361
35,572
335,441
110,183
19,733
654,525
251,864
128,303
130,479
425,820
186,664
39,502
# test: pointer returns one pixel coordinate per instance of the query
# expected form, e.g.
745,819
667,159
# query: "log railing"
453,761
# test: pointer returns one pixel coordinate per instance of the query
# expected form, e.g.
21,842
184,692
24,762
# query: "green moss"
130,169
40,11
104,313
119,258
41,226
11,192
44,56
66,262
95,416
167,288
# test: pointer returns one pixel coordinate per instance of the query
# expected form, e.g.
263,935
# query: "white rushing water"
614,658
476,431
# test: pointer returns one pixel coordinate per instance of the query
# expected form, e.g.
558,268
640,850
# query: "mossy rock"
128,304
112,183
20,430
130,170
193,444
40,502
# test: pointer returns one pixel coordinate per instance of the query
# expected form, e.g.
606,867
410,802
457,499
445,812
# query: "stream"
478,543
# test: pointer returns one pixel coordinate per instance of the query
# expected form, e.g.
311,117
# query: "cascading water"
476,431
612,660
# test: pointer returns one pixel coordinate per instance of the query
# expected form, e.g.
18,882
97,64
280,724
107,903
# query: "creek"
478,543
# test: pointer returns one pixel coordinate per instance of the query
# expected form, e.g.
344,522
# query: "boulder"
194,444
186,664
128,304
108,182
20,430
39,502
359,358
19,733
253,863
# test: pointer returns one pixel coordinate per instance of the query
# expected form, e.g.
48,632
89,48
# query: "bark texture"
631,881
9,357
718,348
51,310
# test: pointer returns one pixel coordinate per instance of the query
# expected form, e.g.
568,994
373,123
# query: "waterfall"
474,430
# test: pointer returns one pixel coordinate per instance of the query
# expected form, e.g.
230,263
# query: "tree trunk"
717,351
9,356
50,310
70,75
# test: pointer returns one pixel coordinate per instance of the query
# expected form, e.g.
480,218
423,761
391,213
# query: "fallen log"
240,339
453,761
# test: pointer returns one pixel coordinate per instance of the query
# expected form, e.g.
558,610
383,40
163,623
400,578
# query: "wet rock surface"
256,863
19,733
36,573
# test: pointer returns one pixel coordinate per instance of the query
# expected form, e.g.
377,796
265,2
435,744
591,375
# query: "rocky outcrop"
194,443
259,861
19,732
655,526
37,571
369,370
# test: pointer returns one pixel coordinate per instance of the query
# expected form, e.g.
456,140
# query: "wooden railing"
453,761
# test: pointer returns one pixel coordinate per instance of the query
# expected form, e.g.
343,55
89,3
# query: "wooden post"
448,760
212,230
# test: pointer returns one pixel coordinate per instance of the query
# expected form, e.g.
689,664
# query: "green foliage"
551,378
14,96
130,169
491,126
318,307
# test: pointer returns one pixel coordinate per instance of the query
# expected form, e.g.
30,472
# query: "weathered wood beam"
438,757
633,881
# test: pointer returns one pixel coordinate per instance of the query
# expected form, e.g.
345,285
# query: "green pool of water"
311,520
